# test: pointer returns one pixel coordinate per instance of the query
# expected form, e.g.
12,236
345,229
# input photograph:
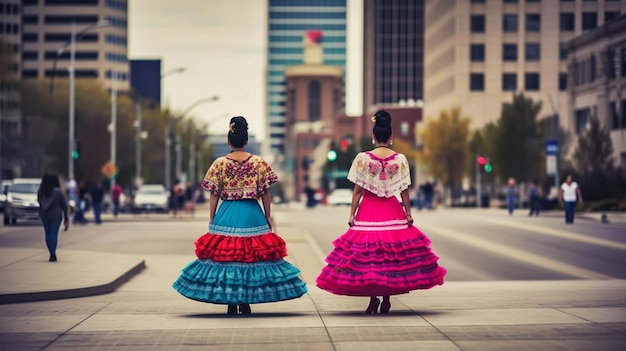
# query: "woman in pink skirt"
382,253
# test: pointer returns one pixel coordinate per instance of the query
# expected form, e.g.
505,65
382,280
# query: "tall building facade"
598,75
288,21
101,52
393,61
145,80
478,53
11,158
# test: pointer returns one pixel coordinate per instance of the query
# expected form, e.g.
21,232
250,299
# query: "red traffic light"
344,145
481,160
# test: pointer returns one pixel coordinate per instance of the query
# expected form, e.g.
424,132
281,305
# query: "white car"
151,198
340,197
21,200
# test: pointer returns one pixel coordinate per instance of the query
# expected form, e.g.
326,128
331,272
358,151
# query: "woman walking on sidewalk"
382,253
240,260
53,211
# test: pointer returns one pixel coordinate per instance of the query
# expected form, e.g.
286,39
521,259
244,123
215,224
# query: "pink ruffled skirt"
380,254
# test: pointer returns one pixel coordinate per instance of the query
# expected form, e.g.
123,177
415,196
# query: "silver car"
151,198
21,200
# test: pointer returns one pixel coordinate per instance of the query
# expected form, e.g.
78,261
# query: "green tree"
594,152
445,146
517,145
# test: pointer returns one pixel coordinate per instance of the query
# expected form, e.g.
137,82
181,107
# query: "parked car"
21,200
4,186
340,197
151,198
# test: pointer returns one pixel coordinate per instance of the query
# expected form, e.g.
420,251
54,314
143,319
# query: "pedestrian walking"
569,194
511,195
240,260
116,195
534,198
382,253
190,199
97,198
177,198
53,211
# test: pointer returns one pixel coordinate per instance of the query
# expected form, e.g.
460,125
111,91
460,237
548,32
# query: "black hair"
382,126
238,132
48,183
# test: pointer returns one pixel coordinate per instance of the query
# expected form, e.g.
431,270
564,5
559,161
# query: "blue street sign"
552,147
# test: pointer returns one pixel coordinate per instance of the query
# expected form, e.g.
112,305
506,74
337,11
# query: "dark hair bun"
383,119
238,125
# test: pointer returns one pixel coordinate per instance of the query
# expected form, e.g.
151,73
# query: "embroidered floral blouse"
385,177
234,180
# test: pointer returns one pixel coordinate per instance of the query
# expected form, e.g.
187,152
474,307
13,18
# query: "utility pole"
138,141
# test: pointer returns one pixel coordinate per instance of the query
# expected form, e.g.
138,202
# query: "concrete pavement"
108,314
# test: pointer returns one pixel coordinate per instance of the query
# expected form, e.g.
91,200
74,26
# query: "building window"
29,73
30,2
509,52
314,100
566,22
478,1
562,81
531,81
509,23
592,68
590,20
477,82
533,22
69,19
509,82
533,52
616,121
510,1
477,52
563,51
72,2
609,15
30,19
29,37
582,118
30,55
56,37
477,24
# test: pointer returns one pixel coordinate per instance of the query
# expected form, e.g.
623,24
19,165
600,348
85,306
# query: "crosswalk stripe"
516,254
555,232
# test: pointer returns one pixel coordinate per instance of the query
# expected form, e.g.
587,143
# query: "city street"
513,283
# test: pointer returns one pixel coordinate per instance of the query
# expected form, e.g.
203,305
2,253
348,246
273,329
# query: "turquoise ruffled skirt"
240,261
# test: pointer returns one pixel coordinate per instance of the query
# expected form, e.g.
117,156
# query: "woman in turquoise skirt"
240,260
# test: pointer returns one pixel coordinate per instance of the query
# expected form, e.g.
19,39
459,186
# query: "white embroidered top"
385,177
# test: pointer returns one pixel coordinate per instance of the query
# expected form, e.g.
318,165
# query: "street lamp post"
72,44
168,137
139,133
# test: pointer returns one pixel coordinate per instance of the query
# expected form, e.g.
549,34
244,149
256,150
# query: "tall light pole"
168,137
72,44
139,133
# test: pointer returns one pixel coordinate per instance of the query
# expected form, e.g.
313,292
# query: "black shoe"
245,309
53,258
232,309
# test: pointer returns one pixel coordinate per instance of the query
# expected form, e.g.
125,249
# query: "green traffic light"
488,168
75,155
331,155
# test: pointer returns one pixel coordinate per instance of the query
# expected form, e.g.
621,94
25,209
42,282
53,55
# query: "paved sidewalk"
515,315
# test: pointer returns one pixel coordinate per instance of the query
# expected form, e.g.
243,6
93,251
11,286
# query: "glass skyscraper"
288,22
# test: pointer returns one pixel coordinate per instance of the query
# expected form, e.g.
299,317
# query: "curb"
74,293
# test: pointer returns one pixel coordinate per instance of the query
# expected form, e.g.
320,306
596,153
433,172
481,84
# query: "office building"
478,53
101,52
11,158
145,80
597,63
288,21
393,61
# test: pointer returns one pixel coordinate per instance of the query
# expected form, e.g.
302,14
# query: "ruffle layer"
374,283
240,283
388,262
222,248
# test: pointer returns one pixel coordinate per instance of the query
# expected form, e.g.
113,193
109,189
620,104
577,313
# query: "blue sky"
222,45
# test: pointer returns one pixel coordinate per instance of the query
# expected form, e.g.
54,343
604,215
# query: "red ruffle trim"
223,248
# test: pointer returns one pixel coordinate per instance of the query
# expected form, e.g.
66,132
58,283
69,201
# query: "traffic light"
343,144
331,155
488,167
76,150
481,160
